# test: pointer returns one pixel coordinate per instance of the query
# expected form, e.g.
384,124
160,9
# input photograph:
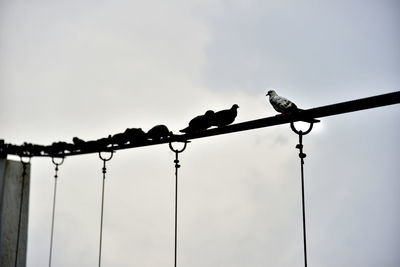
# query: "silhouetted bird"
61,147
119,139
104,142
135,135
34,149
199,123
225,117
158,132
281,104
83,145
77,141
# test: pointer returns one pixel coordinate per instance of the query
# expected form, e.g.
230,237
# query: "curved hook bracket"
57,163
178,150
301,132
106,159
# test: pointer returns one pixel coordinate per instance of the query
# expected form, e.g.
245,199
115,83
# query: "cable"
302,156
54,206
102,201
177,166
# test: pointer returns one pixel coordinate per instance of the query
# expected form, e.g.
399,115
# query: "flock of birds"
136,136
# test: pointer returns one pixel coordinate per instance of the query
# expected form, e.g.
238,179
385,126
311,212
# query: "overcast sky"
93,68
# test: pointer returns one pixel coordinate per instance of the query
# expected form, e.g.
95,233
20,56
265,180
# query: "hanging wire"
54,205
177,166
302,155
102,200
25,164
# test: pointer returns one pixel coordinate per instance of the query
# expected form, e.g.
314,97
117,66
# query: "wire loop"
57,163
106,159
301,132
178,150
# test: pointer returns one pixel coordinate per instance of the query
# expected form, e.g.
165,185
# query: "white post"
12,250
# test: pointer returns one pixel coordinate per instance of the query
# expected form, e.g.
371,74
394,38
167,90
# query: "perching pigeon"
158,132
225,117
199,123
284,106
77,141
135,135
104,142
281,104
61,147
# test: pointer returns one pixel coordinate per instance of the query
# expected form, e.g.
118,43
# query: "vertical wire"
20,210
304,213
177,166
302,156
53,215
176,207
102,211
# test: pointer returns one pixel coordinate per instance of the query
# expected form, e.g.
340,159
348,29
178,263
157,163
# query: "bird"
135,135
158,132
281,104
119,139
225,117
199,123
285,106
77,141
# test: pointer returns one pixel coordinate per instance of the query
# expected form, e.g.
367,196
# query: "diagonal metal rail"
304,115
318,112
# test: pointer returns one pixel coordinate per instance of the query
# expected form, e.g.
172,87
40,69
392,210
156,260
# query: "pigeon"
60,147
84,145
281,104
285,106
104,142
199,123
158,132
77,141
225,117
119,139
135,135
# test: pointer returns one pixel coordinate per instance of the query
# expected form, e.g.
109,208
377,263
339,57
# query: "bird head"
235,106
271,92
209,113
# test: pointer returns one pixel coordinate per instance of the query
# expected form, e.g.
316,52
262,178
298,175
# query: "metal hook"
57,163
178,150
301,132
106,159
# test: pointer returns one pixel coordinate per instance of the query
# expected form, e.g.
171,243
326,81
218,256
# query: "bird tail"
185,130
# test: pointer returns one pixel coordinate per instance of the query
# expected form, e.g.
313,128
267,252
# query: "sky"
94,68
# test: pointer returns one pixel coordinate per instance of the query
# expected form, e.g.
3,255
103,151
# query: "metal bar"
304,115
